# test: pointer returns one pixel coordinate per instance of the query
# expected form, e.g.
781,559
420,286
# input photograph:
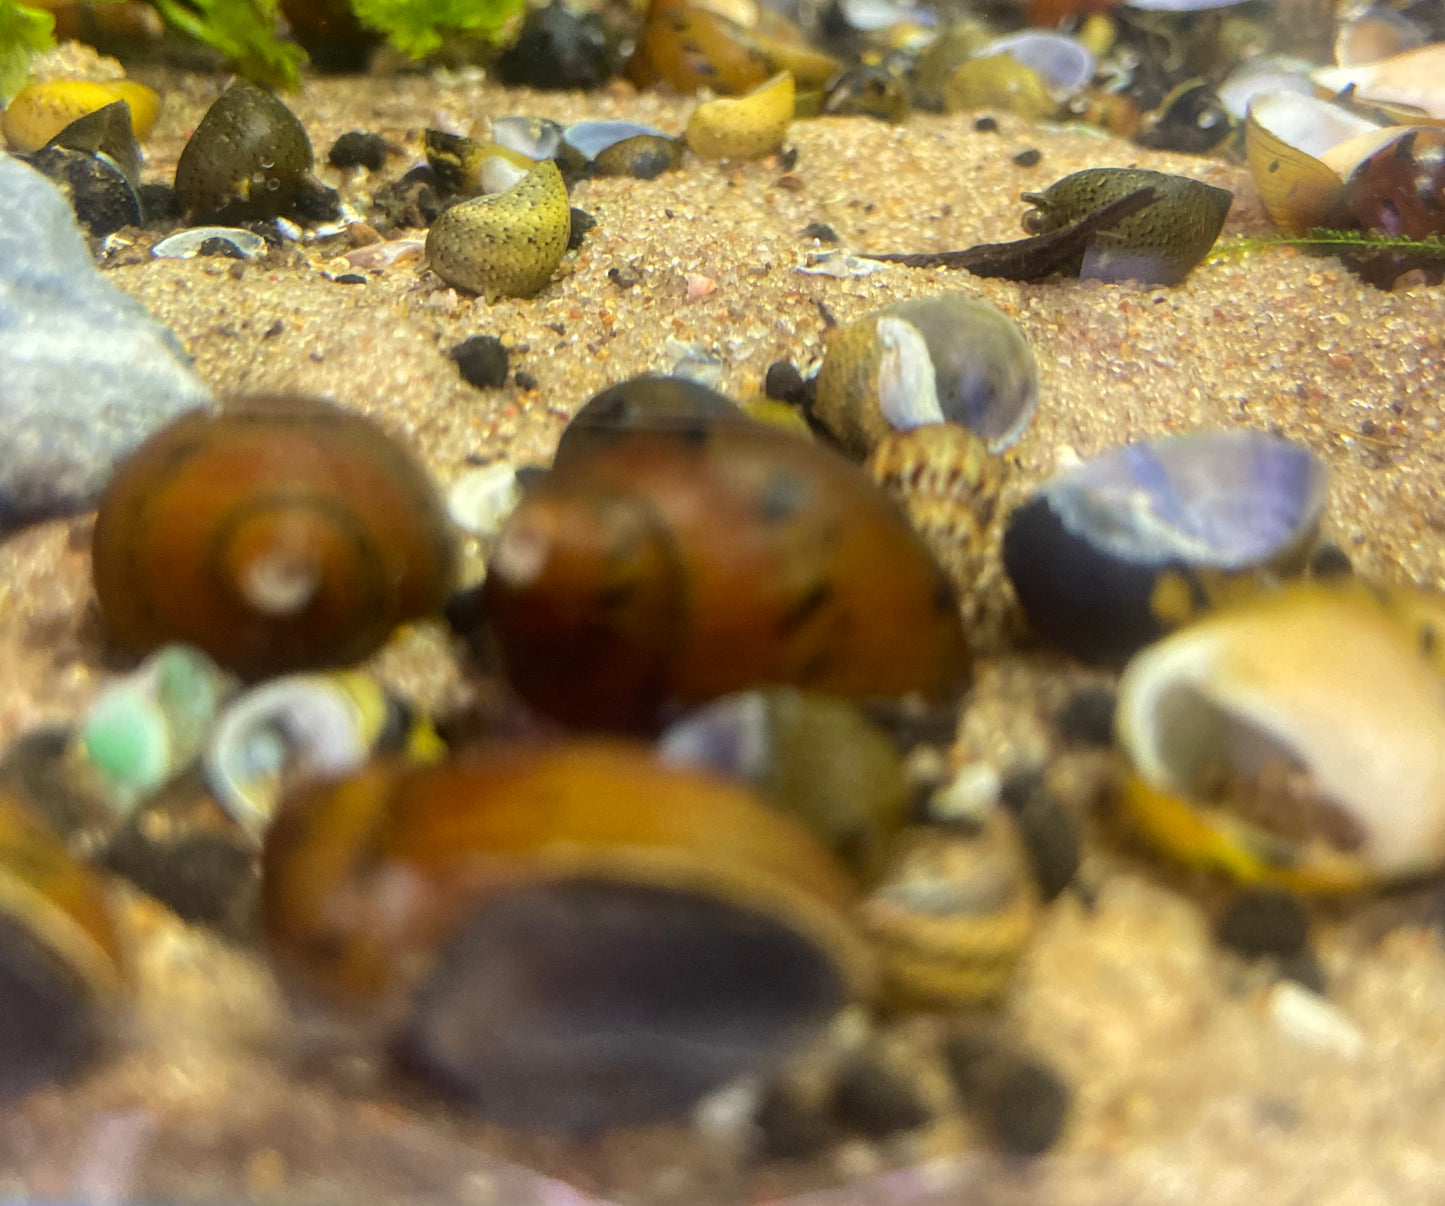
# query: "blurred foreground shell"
279,534
1110,554
62,972
249,158
40,111
1298,739
664,564
810,756
505,244
1161,244
954,915
951,358
573,937
743,127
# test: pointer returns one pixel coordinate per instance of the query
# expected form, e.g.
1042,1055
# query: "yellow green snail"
743,127
505,243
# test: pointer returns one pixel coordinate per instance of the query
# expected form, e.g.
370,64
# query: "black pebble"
1052,839
986,125
206,877
1330,561
871,1098
316,202
1305,970
482,361
358,148
820,231
1087,717
525,380
788,1127
1022,1101
789,159
1029,158
558,49
1020,786
1264,921
624,277
582,222
784,383
158,204
350,278
216,245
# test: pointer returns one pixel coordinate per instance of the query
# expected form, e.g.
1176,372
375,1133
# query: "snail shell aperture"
278,534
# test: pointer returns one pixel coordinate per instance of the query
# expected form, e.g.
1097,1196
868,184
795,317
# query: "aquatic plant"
23,32
1377,259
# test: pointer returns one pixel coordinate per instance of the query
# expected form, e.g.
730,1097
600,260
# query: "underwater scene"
722,602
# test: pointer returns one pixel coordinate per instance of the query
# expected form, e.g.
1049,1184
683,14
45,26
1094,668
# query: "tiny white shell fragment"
375,256
481,499
970,795
1311,1021
841,265
186,244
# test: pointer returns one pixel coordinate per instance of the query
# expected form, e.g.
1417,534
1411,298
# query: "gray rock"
86,373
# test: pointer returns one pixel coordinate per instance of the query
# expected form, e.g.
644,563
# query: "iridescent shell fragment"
1110,554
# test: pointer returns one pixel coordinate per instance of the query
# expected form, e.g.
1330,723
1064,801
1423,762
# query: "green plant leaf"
242,30
23,32
417,27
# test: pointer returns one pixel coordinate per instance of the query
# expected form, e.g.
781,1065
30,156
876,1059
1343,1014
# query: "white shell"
481,499
1323,678
1415,78
186,244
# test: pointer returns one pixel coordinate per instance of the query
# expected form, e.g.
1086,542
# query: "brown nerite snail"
61,966
662,564
570,936
278,534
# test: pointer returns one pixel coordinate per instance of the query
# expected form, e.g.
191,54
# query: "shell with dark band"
278,534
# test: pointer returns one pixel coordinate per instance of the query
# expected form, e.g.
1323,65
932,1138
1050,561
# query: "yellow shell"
999,81
40,111
1298,739
744,127
505,244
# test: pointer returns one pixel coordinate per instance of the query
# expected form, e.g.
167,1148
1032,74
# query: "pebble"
874,1099
784,383
1264,921
1087,717
1029,158
357,148
86,373
482,361
1311,1021
1023,1103
1052,838
820,231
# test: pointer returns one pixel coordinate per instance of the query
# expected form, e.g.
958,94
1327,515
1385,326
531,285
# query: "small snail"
62,971
951,358
570,936
249,158
504,244
278,534
1161,244
743,127
660,565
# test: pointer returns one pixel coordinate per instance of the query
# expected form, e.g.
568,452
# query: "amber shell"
441,903
62,970
662,568
280,533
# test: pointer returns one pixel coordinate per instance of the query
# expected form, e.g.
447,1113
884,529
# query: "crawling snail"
666,562
277,534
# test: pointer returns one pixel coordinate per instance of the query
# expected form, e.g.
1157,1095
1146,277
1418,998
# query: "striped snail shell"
280,533
663,566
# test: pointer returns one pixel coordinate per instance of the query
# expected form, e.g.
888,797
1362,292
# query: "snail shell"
950,486
281,533
506,244
42,110
660,568
953,915
743,127
1298,739
61,967
999,81
951,358
1161,244
249,158
572,936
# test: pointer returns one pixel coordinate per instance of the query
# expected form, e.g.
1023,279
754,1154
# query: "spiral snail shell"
61,965
280,533
658,567
570,936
